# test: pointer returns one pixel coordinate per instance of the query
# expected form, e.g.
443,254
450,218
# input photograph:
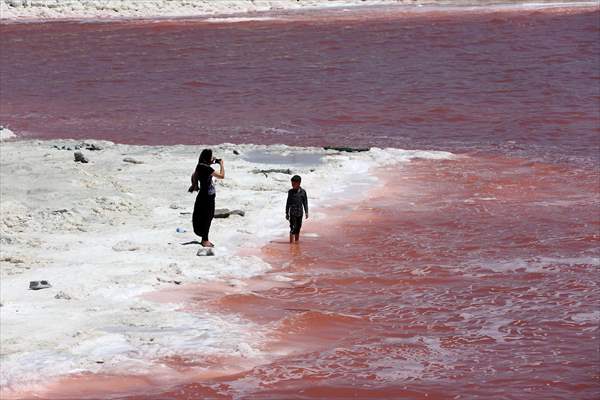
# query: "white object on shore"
205,251
6,133
125,245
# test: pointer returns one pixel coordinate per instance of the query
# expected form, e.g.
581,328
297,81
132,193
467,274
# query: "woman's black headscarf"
205,157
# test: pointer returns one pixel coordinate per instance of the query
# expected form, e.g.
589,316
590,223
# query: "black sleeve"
288,203
203,171
305,201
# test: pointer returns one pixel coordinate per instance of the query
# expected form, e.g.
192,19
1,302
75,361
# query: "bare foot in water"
207,244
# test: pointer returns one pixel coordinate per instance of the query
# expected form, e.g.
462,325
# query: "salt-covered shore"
105,234
29,10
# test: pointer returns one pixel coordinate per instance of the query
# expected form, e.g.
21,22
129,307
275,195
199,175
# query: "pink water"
470,278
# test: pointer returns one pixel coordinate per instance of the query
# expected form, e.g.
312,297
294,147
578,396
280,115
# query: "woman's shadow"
191,242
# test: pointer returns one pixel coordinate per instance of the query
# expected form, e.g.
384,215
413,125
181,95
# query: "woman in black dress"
204,208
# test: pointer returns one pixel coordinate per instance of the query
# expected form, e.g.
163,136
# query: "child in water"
296,203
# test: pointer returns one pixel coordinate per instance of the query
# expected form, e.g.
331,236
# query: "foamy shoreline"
104,234
45,10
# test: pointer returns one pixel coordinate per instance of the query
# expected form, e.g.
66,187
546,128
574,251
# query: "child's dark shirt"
296,202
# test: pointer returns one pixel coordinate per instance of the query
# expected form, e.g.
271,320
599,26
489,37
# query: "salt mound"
48,9
105,235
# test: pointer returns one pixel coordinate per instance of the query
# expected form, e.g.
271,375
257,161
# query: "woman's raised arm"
221,173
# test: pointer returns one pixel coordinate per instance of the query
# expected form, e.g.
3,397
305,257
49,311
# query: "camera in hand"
217,161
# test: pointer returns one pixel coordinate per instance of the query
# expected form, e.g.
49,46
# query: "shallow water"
452,281
468,278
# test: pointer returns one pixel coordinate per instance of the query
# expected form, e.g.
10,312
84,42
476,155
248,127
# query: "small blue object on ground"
180,230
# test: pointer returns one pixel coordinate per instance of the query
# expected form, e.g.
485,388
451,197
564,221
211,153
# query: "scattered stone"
79,157
185,213
347,149
15,3
286,171
225,213
237,153
12,260
99,362
92,147
174,268
125,245
168,281
37,285
61,211
205,251
65,147
174,206
245,350
62,295
140,309
132,160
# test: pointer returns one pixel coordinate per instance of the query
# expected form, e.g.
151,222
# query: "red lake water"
476,277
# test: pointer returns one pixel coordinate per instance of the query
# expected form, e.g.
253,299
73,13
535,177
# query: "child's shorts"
295,224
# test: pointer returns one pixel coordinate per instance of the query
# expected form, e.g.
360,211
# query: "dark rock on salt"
61,211
286,171
92,147
347,149
132,160
79,157
37,285
62,295
225,213
176,282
